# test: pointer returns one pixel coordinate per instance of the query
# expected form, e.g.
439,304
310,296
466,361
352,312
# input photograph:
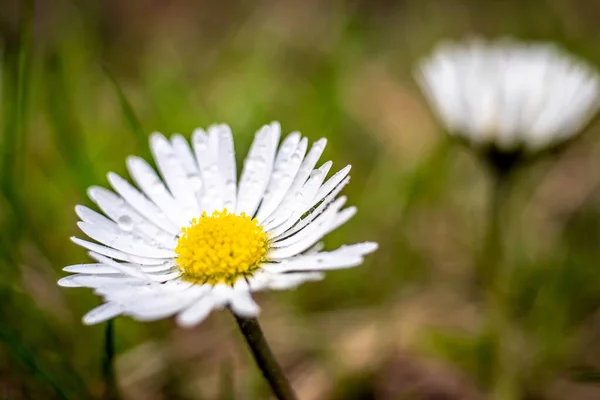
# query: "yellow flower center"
221,248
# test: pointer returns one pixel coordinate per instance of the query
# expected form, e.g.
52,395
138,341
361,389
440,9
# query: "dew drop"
125,223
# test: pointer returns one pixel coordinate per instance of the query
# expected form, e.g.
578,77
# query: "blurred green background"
85,82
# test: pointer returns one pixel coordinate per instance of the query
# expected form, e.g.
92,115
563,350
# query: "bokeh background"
85,82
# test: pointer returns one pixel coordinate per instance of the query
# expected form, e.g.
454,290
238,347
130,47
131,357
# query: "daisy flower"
507,95
197,239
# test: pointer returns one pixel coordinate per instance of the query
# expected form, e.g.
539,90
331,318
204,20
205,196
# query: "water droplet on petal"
125,223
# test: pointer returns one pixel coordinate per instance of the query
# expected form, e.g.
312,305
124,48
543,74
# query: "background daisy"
509,95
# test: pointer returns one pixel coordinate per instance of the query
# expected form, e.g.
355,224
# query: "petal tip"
68,281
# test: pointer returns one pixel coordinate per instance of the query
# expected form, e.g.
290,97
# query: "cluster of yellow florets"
221,248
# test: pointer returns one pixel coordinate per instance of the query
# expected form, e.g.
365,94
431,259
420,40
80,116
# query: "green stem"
264,358
493,280
491,257
108,366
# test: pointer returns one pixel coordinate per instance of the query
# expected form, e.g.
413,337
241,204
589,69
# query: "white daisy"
509,95
199,240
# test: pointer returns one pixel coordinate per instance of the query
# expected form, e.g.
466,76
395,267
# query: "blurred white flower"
509,95
200,240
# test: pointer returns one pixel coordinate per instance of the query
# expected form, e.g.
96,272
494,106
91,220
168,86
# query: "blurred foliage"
84,83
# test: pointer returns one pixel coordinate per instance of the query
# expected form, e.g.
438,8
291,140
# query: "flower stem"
493,278
111,391
492,256
264,358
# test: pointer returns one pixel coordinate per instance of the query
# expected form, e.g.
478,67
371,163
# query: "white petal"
97,281
286,166
301,245
304,244
145,177
128,227
325,218
221,295
154,308
174,175
122,295
314,264
118,255
315,249
288,214
276,281
99,268
188,160
102,313
88,215
165,276
243,304
69,281
196,313
227,167
184,153
141,204
306,169
147,291
206,147
94,269
341,218
125,241
344,257
258,166
316,211
331,184
128,219
440,83
361,249
124,269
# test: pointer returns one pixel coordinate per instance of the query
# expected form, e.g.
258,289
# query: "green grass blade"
63,122
128,113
